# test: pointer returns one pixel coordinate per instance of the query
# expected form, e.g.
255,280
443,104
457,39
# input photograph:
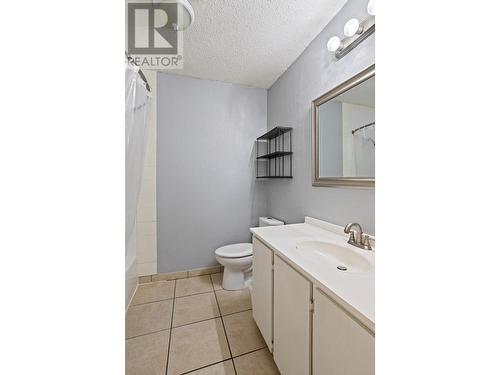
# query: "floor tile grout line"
179,278
171,328
250,352
222,320
187,295
145,334
223,327
199,321
212,318
146,303
237,312
196,294
202,367
222,361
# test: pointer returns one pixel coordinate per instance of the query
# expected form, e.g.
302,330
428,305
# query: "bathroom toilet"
237,260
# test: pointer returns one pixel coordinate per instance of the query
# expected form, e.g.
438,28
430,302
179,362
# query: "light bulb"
333,44
351,27
371,7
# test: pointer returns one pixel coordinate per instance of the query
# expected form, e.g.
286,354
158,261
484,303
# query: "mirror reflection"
346,133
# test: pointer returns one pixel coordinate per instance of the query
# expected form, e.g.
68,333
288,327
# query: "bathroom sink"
342,259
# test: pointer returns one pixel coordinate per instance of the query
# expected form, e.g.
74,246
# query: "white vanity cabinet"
292,314
341,345
262,290
305,328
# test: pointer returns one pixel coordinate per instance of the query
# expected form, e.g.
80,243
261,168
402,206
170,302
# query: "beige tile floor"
193,326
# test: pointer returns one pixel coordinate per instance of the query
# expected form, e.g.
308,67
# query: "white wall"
315,72
207,192
330,139
146,211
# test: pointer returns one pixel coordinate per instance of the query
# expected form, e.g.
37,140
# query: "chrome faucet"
357,237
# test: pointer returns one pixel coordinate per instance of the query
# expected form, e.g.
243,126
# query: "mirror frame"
362,182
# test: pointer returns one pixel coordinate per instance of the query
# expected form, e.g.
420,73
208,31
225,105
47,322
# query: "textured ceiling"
251,42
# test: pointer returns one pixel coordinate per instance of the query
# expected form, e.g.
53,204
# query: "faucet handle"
365,241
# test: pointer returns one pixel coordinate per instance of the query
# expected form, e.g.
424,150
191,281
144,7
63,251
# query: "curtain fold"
137,109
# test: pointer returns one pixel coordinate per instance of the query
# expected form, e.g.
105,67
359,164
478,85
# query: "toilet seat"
237,250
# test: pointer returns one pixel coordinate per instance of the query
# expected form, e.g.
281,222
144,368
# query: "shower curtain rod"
364,126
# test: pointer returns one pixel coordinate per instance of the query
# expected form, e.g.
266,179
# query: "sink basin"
342,259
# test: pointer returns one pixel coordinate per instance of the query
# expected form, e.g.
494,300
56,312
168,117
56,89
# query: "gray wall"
289,104
207,194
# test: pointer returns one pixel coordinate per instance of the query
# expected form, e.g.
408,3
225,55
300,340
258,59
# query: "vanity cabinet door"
262,290
341,346
292,316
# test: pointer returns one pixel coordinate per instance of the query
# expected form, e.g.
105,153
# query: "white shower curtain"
137,103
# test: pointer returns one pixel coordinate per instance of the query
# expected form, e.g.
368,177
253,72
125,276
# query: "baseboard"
180,274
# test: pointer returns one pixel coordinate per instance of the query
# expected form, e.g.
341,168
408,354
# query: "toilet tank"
269,221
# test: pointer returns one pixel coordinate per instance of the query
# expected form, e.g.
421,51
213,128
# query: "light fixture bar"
349,43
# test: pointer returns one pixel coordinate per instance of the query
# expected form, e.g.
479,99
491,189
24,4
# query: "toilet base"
235,280
237,272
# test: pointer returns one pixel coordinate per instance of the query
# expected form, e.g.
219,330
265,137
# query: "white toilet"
237,260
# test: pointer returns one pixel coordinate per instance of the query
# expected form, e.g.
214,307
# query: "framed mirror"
343,133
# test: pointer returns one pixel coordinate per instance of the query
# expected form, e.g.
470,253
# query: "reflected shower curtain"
137,103
364,152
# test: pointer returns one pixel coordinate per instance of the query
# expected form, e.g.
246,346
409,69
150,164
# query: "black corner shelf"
275,132
275,154
274,176
278,155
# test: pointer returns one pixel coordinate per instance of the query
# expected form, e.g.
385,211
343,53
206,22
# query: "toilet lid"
237,250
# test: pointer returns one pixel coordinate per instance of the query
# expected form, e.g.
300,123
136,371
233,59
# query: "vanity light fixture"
352,27
334,44
370,8
355,33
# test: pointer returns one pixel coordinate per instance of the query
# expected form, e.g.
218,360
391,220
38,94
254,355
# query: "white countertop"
353,291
